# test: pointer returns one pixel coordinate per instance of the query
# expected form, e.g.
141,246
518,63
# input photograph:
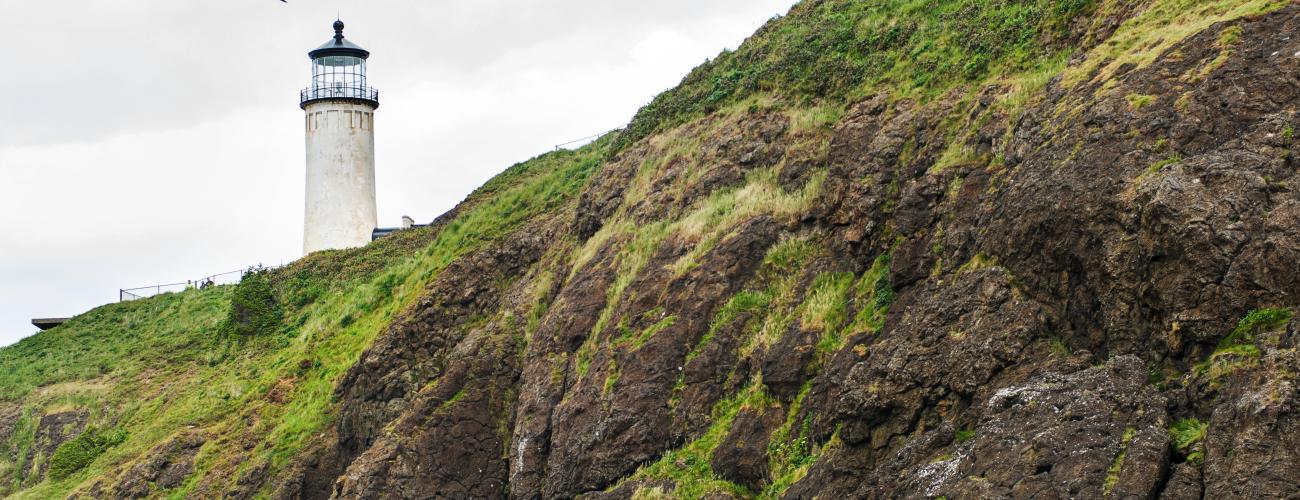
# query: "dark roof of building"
381,232
339,46
48,323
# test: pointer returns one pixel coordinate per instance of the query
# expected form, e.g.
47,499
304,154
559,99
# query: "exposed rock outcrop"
52,430
165,467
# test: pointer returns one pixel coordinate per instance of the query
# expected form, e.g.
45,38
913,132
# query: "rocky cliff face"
1076,288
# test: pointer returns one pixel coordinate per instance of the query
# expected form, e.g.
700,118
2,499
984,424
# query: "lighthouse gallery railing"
340,92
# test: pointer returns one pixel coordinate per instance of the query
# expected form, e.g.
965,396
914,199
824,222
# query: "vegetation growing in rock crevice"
1255,323
709,222
873,294
1185,436
689,467
826,305
1238,350
789,450
782,272
1112,473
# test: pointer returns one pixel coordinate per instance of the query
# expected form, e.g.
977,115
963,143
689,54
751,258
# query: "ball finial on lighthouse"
340,108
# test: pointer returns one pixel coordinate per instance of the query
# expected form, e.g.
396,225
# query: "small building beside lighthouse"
340,125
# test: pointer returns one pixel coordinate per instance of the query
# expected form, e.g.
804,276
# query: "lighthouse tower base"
340,201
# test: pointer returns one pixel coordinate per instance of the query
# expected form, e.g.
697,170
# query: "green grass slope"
148,370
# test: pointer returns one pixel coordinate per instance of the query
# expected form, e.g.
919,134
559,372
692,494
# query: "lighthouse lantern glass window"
340,76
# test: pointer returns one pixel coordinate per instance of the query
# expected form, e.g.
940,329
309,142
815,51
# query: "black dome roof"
339,46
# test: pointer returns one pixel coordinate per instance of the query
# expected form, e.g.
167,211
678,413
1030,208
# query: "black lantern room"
338,72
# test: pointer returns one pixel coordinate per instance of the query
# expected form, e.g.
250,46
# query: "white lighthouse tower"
340,109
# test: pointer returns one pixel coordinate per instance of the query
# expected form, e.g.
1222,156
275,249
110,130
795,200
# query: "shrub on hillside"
253,307
80,451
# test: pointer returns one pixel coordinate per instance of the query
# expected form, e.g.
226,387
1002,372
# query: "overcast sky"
155,141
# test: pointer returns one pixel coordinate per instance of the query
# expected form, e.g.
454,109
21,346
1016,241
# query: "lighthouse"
340,124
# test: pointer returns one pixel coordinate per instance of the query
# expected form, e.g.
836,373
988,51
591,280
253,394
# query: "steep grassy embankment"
904,248
157,368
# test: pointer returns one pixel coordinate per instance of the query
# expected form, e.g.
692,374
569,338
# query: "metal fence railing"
338,92
226,278
576,143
